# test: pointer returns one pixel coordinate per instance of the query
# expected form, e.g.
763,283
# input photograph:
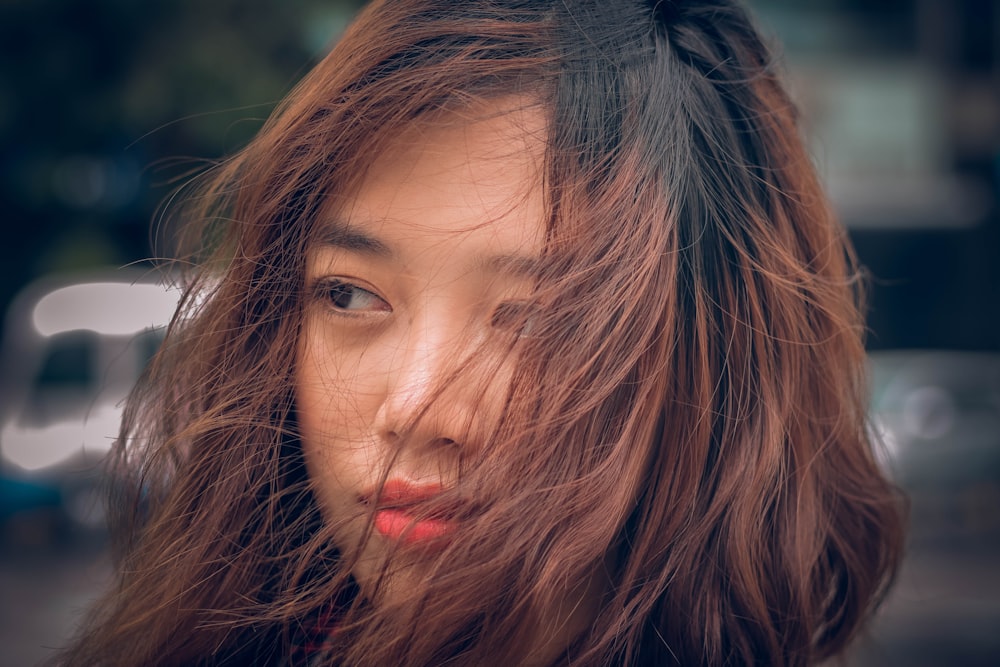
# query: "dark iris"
515,316
348,297
341,295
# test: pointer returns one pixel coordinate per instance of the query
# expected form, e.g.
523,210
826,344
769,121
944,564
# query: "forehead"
461,172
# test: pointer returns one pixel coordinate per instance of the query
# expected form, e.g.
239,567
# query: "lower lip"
400,526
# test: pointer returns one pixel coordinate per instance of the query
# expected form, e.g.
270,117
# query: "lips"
397,507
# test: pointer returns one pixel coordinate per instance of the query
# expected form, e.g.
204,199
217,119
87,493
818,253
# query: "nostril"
396,438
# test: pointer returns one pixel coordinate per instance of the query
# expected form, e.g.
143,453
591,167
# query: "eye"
518,317
344,296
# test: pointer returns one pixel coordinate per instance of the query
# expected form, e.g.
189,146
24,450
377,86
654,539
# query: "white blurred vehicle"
938,416
72,350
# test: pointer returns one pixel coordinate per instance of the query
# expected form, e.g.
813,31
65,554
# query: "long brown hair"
688,412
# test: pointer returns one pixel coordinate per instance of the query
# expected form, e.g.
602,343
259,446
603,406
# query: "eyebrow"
517,265
339,234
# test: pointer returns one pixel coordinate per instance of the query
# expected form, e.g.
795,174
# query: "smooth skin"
415,274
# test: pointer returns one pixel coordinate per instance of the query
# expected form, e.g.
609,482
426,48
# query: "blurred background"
106,105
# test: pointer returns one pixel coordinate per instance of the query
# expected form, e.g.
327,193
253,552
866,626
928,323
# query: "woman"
527,337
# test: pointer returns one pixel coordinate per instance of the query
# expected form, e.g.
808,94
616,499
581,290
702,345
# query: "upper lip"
410,497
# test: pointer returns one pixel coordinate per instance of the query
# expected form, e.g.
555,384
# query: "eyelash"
519,317
333,290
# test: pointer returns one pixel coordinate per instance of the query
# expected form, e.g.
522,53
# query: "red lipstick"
398,503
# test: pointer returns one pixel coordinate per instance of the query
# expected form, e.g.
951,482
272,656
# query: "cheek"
336,397
335,405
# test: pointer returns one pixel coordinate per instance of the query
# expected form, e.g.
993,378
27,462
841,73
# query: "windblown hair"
688,413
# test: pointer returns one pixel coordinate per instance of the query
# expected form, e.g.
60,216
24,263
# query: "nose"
432,399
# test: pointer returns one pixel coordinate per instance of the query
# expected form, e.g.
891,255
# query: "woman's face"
413,276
